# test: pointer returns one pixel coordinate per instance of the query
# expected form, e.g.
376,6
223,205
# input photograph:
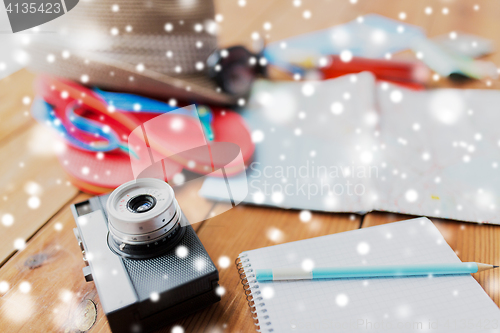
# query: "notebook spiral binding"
254,299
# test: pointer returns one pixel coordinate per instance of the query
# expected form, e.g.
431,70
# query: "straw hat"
156,48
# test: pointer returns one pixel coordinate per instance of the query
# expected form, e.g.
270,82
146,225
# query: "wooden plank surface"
33,186
16,95
470,241
45,281
60,300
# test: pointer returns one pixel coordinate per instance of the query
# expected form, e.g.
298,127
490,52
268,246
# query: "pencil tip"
495,266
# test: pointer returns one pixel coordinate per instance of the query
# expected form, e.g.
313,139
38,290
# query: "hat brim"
114,75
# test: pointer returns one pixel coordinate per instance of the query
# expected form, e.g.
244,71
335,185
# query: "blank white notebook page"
409,304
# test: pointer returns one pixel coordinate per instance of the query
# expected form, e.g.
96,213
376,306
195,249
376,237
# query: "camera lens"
141,203
144,218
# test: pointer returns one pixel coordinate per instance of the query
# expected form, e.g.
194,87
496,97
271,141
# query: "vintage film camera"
147,263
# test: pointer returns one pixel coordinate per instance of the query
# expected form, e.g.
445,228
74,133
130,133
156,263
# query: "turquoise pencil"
281,274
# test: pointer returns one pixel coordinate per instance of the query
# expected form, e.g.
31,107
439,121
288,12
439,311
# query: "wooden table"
46,290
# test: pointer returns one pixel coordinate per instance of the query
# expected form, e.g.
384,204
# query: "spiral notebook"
455,303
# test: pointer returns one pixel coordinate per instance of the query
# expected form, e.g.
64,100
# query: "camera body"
144,283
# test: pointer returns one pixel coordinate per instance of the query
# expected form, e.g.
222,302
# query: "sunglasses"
234,69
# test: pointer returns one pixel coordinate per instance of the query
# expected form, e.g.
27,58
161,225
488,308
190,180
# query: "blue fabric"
126,102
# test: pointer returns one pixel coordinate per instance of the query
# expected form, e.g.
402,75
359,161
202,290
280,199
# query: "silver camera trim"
109,274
